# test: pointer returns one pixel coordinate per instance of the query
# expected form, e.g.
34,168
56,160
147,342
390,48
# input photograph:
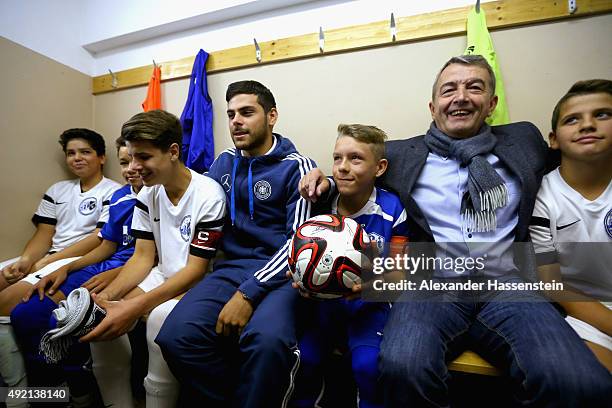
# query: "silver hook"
257,51
154,64
321,40
478,6
114,79
571,6
393,28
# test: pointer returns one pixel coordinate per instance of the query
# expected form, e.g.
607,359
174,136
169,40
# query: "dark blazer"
520,147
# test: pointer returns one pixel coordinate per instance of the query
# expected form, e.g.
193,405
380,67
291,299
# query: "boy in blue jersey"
94,270
231,339
358,161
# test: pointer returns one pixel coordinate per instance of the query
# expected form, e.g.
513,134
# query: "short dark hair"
120,142
371,135
95,140
587,87
264,95
160,128
472,59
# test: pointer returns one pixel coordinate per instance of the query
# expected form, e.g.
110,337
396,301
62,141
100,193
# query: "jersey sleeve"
400,225
541,233
106,201
45,213
273,274
113,228
141,221
207,234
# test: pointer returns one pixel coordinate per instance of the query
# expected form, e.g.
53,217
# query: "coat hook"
257,51
571,6
478,6
321,40
393,28
114,79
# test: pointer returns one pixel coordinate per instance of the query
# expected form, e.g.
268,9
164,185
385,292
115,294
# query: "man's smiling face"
462,100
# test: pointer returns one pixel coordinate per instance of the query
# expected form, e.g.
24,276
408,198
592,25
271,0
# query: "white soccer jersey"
563,220
191,227
74,214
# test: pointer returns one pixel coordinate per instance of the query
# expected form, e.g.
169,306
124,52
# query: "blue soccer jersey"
119,226
382,217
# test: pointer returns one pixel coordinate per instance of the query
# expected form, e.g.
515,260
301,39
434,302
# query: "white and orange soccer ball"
327,254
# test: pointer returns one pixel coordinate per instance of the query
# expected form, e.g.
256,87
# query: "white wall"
127,34
51,28
266,26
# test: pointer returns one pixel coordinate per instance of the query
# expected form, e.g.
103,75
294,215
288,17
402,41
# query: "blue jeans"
546,361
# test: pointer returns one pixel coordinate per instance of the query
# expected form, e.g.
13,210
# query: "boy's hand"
16,271
99,282
294,285
355,292
39,265
313,185
120,318
234,316
54,279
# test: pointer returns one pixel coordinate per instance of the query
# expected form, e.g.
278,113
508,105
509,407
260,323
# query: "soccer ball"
326,255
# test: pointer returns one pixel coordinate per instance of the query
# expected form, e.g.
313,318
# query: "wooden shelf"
500,14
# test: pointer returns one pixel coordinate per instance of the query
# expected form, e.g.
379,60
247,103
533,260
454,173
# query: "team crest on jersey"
185,228
88,206
379,240
226,182
262,189
608,223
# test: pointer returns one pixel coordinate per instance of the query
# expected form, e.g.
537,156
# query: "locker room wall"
388,87
40,99
391,87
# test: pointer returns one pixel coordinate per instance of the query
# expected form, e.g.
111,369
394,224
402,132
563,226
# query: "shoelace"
76,316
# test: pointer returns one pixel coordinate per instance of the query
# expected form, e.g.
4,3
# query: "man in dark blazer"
467,183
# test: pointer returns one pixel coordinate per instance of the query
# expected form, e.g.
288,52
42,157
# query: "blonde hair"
371,135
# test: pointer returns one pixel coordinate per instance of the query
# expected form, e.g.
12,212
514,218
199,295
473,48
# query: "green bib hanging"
479,43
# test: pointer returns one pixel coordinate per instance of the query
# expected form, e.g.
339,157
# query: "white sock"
161,386
12,367
112,367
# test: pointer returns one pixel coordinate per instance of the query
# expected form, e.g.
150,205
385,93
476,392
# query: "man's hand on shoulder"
313,185
234,316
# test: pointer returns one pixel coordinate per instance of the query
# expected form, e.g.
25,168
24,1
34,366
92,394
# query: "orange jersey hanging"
153,99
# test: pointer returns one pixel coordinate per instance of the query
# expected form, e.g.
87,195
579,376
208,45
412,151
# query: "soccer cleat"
76,316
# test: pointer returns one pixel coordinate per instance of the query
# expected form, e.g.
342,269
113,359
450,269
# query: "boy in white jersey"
31,319
179,215
574,207
67,222
69,211
358,162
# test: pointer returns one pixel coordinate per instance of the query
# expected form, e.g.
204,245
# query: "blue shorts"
348,322
79,277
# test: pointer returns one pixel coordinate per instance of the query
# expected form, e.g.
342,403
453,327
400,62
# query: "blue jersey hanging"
197,119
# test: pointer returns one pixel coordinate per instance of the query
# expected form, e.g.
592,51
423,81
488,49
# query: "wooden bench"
470,362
